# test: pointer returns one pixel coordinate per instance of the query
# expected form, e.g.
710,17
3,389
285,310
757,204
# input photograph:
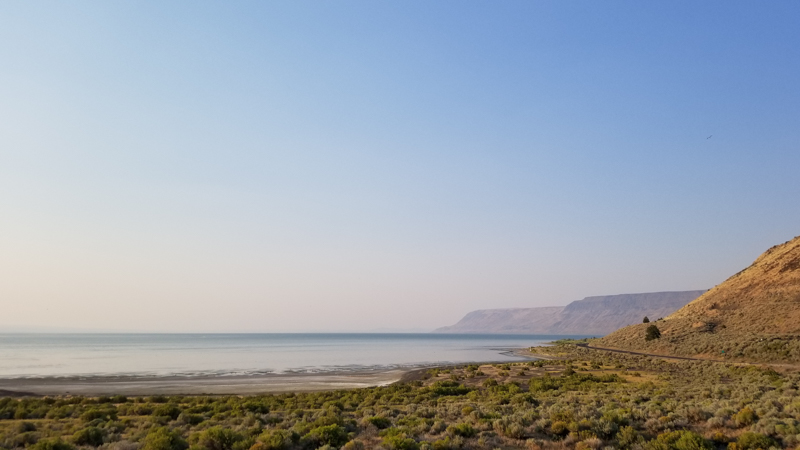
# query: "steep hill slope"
753,315
591,316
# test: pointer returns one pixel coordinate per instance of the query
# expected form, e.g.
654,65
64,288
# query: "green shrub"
380,422
190,419
25,439
524,399
24,427
256,407
167,410
679,440
333,435
51,444
753,441
142,410
746,416
276,440
61,412
218,438
163,438
627,437
444,388
462,429
543,384
354,445
89,436
652,332
559,428
106,413
442,444
400,442
692,441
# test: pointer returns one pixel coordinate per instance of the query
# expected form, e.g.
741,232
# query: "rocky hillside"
753,315
596,316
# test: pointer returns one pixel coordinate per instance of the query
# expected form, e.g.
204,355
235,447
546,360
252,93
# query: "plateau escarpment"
507,321
591,316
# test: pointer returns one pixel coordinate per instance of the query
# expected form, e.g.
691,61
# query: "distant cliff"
596,316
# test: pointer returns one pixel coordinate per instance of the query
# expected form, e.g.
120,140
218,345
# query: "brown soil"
753,315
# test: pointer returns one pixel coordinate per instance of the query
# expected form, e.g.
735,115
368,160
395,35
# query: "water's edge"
203,355
236,364
251,384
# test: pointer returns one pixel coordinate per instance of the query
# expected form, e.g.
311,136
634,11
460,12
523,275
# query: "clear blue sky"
310,166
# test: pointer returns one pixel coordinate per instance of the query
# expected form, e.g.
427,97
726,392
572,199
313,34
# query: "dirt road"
653,355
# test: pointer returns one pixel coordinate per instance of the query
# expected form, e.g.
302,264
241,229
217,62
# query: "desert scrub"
679,405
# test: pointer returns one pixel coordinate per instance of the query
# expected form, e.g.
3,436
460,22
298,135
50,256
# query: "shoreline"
199,385
251,384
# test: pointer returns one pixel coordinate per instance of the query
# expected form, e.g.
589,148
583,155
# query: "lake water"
59,355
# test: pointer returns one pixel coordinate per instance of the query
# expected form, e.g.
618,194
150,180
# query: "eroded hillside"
753,315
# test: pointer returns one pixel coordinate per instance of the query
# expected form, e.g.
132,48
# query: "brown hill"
592,316
754,315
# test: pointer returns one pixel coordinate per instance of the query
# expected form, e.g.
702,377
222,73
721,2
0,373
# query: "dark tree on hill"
651,333
645,320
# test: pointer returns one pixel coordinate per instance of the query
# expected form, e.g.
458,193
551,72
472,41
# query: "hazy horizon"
354,166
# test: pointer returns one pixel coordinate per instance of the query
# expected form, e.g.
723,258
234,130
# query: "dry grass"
754,315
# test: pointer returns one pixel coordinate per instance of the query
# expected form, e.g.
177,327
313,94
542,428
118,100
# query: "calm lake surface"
60,355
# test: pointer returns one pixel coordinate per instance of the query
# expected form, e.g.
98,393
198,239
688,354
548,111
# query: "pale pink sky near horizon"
359,166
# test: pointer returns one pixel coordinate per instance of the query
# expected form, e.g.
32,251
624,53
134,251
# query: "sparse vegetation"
752,316
583,399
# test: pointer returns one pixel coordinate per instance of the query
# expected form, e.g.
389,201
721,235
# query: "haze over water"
57,355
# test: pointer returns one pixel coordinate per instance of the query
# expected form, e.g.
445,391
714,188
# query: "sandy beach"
198,385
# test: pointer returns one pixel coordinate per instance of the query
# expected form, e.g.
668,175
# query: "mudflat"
198,385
